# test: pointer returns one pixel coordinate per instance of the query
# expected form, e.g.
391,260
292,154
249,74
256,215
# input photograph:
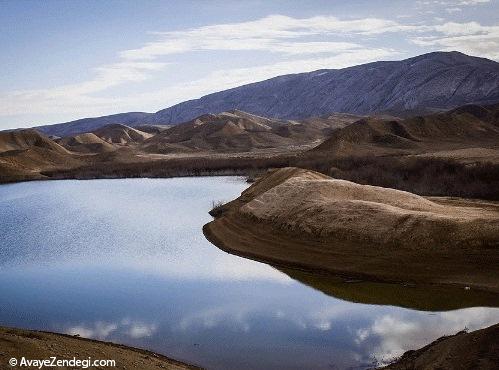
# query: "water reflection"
391,334
125,261
420,297
102,330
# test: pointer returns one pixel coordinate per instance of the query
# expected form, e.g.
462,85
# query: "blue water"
126,261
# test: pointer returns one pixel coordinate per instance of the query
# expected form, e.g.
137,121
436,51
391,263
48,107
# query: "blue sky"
64,60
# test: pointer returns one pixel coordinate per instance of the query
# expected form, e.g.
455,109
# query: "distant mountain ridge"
424,84
84,125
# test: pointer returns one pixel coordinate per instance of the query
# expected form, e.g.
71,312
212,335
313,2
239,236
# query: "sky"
63,60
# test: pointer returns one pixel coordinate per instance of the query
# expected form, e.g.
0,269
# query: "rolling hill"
19,140
121,134
24,153
237,131
469,126
86,143
455,153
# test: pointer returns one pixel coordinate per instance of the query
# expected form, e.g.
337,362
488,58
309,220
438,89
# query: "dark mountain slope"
94,123
431,81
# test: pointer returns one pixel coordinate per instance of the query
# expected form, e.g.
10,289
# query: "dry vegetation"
424,176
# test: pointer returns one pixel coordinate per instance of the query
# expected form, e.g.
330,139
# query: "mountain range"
424,84
235,141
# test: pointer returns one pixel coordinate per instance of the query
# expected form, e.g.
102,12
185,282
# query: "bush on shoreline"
423,176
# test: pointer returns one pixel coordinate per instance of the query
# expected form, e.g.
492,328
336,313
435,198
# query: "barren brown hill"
153,129
86,143
24,153
435,162
314,128
474,350
221,132
121,134
25,139
469,126
237,131
18,343
299,218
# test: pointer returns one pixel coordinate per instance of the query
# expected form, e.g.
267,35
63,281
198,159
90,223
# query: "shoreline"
468,266
475,349
38,344
422,172
216,174
213,233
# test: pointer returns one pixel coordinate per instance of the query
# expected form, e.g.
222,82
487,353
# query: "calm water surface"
126,261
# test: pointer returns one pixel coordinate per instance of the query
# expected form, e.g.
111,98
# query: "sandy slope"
24,153
16,343
474,350
298,218
121,134
238,131
86,143
331,208
25,139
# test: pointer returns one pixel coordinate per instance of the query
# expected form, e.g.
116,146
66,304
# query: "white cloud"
270,34
77,97
470,38
237,316
473,2
450,6
453,10
451,2
141,330
453,28
100,330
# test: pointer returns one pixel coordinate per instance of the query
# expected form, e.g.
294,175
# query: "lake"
126,261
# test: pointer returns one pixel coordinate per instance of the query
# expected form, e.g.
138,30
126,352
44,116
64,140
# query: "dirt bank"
475,350
302,219
18,343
